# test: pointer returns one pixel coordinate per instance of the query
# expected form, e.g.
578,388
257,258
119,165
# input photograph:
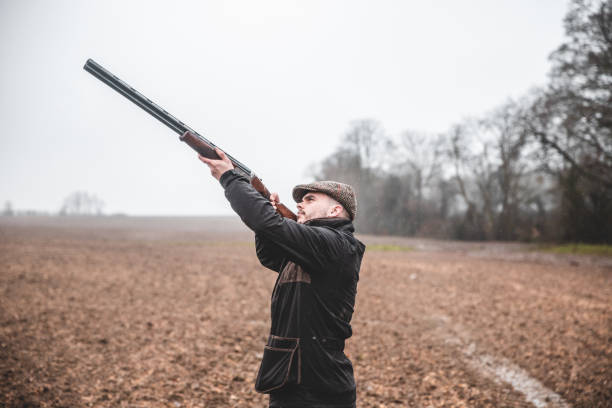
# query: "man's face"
315,205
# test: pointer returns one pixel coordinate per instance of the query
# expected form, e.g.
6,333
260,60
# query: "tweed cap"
342,193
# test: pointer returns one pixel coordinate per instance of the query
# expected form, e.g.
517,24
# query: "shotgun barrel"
195,140
156,111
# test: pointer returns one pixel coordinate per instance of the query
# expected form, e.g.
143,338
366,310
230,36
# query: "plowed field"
153,312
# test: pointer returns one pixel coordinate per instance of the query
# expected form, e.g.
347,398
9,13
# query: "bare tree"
517,168
573,117
366,139
420,162
82,203
494,169
8,209
465,163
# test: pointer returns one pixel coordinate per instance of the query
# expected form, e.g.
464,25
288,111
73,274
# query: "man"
317,260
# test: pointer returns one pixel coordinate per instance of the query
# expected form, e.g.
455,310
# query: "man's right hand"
217,167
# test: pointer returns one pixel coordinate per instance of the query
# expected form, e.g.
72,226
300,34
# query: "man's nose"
299,205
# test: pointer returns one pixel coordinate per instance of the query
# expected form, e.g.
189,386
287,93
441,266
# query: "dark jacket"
313,299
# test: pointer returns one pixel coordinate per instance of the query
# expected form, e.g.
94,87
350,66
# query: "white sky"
275,83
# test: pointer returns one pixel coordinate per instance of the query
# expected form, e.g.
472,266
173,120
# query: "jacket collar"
342,224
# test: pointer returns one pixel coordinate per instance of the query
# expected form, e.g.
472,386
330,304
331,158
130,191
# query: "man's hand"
217,167
274,199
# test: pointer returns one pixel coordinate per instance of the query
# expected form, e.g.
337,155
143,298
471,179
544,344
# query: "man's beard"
320,213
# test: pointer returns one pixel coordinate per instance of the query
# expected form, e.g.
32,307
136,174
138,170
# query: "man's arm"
315,248
269,254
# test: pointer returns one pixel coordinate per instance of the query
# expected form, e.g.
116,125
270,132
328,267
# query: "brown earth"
174,312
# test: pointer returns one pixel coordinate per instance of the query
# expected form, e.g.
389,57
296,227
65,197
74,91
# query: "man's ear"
336,211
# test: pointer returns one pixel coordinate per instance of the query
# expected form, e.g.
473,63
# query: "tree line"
535,168
76,203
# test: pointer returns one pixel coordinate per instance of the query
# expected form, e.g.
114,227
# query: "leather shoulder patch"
293,273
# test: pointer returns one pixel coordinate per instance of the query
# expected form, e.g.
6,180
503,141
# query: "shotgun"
195,140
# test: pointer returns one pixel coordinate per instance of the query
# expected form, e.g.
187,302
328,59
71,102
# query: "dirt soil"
163,312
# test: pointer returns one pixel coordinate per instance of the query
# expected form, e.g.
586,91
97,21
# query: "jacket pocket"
281,364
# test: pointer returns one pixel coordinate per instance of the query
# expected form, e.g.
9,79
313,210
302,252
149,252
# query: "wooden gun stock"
208,151
280,207
200,146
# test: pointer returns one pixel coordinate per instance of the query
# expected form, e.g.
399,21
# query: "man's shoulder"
341,229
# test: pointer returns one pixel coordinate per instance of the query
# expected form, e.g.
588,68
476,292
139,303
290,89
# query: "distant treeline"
76,203
537,168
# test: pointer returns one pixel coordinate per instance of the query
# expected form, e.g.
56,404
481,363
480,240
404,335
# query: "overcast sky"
275,83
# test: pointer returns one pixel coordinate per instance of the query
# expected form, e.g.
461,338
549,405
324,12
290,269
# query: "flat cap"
342,193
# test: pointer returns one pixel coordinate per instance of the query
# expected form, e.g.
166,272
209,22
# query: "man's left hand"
217,167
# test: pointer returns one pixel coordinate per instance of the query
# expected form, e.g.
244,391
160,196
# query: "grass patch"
388,248
580,249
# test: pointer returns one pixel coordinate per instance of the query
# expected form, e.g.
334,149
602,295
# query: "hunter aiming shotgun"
196,141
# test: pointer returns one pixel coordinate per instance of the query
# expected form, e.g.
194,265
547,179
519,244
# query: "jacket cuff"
229,176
